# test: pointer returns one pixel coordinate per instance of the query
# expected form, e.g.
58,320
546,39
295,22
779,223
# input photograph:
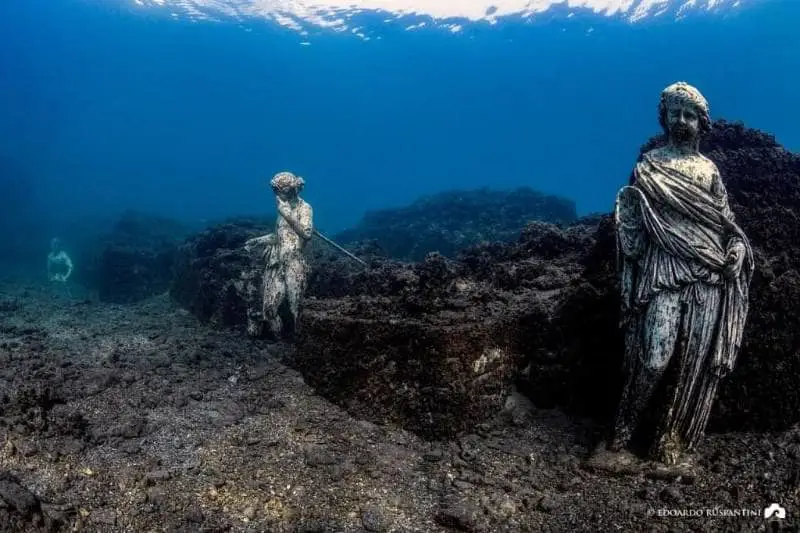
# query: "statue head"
55,245
286,185
683,113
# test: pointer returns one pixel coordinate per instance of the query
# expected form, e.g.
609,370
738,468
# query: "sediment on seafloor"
142,417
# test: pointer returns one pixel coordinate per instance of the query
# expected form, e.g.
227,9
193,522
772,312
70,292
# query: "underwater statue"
285,273
685,268
59,264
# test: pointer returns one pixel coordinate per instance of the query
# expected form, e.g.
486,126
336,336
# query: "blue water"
106,106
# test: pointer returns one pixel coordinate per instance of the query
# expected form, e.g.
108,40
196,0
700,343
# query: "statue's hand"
631,242
283,205
252,243
264,240
721,371
734,260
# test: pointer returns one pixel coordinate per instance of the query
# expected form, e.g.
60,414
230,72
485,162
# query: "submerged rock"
436,346
763,182
135,260
451,221
208,269
551,300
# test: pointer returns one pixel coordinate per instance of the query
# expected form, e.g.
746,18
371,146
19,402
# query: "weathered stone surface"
763,182
208,269
397,342
436,346
571,346
434,374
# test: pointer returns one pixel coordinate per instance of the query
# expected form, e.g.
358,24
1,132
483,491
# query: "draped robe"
284,277
678,308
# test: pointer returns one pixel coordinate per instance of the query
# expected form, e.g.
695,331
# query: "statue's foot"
254,328
683,468
618,463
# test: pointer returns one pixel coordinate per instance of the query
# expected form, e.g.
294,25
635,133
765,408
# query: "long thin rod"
347,253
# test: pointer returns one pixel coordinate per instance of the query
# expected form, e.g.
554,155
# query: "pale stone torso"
289,242
696,166
661,270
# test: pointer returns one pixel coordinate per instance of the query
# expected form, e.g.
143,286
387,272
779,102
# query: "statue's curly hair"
287,182
689,94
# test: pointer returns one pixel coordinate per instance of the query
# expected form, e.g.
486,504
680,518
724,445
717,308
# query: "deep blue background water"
108,106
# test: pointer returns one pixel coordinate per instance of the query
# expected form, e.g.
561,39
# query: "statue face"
286,195
683,121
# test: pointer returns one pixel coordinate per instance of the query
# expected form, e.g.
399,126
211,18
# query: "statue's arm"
734,239
631,241
267,239
303,222
306,222
718,187
631,235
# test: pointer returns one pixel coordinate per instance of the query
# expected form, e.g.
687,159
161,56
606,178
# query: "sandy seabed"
141,419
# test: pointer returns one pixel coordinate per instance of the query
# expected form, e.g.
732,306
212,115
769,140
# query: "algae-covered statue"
285,273
685,268
59,264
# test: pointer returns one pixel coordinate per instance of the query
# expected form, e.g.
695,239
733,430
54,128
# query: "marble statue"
685,268
285,274
59,264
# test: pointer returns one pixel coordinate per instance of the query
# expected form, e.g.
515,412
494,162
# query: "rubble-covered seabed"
138,418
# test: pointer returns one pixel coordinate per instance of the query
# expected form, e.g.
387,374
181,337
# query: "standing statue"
285,275
685,269
59,264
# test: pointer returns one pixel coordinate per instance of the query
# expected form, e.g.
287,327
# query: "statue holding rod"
286,269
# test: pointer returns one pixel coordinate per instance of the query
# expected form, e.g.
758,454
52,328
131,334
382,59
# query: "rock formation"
436,346
135,260
208,267
451,221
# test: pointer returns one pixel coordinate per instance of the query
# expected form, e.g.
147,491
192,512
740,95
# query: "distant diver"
59,264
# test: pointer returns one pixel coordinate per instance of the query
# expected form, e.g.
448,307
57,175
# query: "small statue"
286,271
59,264
685,269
